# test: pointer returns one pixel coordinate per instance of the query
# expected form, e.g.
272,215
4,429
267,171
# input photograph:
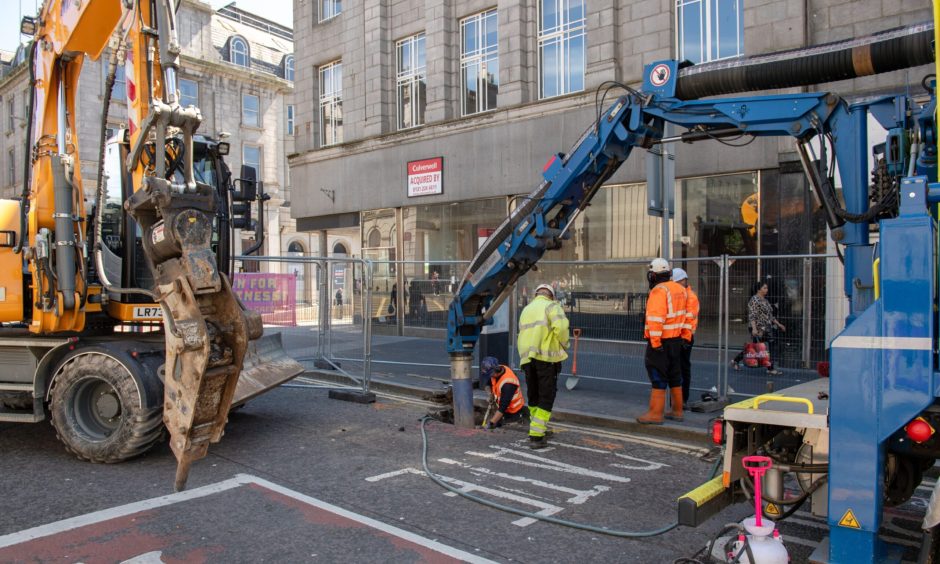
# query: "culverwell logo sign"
426,177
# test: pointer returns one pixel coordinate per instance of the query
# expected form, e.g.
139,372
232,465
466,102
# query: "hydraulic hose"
563,522
885,51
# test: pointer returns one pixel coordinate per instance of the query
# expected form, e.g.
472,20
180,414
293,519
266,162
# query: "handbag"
751,359
763,355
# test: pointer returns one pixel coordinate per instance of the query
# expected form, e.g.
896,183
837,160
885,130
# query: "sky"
280,11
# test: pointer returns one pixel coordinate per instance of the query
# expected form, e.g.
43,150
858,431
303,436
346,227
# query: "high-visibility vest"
508,377
543,332
665,313
691,315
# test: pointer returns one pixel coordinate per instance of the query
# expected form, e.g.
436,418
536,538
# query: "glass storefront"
430,234
717,215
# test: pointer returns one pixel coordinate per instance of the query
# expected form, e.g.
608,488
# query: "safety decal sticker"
659,75
772,510
849,520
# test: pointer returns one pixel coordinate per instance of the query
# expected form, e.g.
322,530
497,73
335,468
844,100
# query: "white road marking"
579,496
148,558
544,509
237,481
116,512
647,464
546,464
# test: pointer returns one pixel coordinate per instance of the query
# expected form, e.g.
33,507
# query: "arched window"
375,238
295,248
238,52
340,250
289,68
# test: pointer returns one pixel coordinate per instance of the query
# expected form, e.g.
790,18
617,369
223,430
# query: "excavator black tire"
96,411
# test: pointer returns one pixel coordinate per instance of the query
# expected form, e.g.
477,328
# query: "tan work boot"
675,395
657,404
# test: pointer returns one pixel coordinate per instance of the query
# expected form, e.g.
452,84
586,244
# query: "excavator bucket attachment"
266,366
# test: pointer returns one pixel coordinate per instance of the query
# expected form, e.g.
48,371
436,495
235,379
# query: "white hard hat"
679,275
545,287
659,265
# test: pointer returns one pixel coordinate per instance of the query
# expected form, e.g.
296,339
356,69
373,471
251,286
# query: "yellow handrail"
770,397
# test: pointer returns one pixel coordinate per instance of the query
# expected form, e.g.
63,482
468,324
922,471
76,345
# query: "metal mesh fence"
367,324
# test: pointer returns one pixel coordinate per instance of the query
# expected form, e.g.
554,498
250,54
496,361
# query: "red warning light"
718,431
919,430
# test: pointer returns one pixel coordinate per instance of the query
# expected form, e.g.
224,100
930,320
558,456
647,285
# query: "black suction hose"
886,51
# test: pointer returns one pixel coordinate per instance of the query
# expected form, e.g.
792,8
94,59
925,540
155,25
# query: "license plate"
148,312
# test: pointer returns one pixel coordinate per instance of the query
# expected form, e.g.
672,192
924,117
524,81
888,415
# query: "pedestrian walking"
665,318
542,342
681,277
505,392
761,323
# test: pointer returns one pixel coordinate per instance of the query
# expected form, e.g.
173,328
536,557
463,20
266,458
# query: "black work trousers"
541,380
686,365
664,366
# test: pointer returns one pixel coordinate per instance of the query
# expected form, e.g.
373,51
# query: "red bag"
763,355
751,358
756,354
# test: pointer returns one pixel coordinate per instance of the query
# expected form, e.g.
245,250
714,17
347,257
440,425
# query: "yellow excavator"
120,321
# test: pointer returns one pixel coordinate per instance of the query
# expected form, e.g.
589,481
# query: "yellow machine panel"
11,264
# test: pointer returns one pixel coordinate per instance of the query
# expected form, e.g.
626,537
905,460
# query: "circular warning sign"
659,75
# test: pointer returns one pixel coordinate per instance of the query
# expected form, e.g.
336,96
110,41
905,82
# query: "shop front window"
719,216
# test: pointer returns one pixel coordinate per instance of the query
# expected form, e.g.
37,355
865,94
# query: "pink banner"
274,296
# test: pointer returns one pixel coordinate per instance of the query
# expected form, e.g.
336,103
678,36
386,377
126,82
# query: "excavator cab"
123,263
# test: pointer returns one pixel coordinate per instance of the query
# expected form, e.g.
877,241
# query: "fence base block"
707,406
324,364
355,396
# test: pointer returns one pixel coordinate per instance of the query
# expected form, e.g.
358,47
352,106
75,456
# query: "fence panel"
366,324
796,291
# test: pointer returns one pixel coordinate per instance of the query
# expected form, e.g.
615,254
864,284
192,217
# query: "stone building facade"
534,69
237,67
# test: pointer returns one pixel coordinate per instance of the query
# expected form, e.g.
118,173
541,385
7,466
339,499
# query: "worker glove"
489,426
686,345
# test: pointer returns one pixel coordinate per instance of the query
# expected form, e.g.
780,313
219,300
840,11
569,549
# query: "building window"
330,9
11,166
331,104
289,68
412,81
238,52
119,90
251,156
251,110
561,47
709,30
290,119
11,112
479,62
189,92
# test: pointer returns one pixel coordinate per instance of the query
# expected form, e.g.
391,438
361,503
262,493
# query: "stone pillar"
443,62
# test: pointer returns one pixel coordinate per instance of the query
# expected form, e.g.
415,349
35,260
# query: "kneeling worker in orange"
505,391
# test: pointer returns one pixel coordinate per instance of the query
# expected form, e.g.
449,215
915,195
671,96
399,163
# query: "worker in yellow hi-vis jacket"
542,343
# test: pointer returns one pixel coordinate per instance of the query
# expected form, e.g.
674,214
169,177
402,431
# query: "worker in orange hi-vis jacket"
681,277
665,319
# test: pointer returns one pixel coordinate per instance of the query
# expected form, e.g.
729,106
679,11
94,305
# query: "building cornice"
229,70
14,76
441,129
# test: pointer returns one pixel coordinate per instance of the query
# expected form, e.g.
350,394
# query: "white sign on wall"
426,177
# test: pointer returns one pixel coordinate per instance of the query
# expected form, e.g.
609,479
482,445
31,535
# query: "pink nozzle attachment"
757,466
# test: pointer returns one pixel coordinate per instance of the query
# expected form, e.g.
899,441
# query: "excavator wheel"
96,410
